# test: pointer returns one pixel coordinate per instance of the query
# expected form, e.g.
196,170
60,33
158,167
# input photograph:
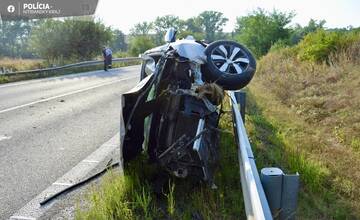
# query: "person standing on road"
107,54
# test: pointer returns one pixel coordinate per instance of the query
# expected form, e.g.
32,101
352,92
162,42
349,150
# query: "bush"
120,54
279,45
318,46
140,44
69,40
260,30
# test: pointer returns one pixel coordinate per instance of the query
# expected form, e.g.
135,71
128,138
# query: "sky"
124,14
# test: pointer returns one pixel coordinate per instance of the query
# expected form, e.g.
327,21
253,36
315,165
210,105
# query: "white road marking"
79,172
43,80
66,94
22,218
62,184
111,145
90,161
15,84
4,137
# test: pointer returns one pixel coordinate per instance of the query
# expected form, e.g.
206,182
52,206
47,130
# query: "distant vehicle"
173,113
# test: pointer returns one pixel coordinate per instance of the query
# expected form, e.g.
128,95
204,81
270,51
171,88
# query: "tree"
299,32
14,37
212,23
192,27
142,28
161,24
70,40
140,44
46,40
118,43
260,29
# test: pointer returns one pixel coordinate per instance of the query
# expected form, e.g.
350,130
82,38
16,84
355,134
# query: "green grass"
3,79
274,145
170,198
143,199
131,196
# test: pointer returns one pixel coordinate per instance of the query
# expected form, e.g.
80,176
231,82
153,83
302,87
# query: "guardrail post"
281,192
241,99
290,189
271,179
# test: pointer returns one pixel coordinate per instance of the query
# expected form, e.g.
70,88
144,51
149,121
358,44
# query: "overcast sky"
123,14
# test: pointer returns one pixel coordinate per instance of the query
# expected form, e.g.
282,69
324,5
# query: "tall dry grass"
317,105
13,65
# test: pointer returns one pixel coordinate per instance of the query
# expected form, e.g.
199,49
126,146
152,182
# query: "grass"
306,118
170,197
302,117
273,145
131,196
13,65
144,198
3,79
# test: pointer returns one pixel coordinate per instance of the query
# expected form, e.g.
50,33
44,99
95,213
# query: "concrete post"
271,179
281,192
289,197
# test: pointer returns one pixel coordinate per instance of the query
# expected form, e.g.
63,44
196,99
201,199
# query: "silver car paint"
185,48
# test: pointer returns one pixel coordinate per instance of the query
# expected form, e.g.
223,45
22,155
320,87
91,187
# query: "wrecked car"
174,111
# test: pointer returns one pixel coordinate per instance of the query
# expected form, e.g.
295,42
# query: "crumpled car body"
173,113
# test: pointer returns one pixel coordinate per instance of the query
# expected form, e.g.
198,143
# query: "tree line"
58,41
75,39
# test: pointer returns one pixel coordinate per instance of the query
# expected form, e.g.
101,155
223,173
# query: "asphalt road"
47,126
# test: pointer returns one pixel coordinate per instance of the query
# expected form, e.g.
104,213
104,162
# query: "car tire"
229,64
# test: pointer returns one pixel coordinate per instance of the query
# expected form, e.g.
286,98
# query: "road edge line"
65,94
32,210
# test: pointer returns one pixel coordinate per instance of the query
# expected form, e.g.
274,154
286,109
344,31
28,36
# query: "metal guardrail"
256,204
80,64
